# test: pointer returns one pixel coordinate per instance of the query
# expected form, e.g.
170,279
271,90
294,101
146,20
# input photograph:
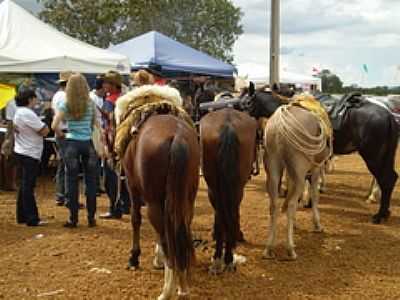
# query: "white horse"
296,141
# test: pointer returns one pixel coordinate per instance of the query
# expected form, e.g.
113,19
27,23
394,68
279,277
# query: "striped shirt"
80,130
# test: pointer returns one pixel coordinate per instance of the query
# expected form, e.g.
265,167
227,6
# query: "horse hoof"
269,254
231,268
216,268
132,268
377,219
183,296
292,256
318,230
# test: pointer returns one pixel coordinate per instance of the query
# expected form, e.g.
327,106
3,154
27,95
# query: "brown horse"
162,167
228,140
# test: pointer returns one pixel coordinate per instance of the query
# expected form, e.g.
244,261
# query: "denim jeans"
77,152
27,211
117,205
60,175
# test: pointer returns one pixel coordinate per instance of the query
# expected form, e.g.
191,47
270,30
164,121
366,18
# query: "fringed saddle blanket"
135,107
309,103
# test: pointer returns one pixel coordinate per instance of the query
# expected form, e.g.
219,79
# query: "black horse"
369,129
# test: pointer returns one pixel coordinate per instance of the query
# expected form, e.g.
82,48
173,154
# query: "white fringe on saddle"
164,92
286,124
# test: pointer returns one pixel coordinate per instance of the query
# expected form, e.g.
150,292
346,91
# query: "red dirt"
351,259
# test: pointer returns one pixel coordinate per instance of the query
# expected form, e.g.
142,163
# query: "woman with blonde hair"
78,112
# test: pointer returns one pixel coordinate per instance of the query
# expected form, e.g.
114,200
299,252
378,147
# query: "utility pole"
274,43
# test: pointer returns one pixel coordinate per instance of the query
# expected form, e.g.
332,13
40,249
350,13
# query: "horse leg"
136,220
386,178
169,283
374,192
274,171
230,244
159,257
217,264
183,285
322,179
315,200
294,195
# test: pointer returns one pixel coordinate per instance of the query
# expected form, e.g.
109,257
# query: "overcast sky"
340,35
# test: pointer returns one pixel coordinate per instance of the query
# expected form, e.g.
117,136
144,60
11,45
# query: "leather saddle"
220,104
338,108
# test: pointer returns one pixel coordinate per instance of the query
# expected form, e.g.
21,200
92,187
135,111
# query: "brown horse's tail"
178,210
227,182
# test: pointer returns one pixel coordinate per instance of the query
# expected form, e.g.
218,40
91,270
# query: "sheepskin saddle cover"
135,107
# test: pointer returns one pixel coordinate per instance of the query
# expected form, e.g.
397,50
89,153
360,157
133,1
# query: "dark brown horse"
162,167
228,140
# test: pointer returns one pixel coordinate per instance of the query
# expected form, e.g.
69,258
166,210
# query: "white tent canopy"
259,75
27,45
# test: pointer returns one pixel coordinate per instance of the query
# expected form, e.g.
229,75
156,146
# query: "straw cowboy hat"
64,76
142,77
113,77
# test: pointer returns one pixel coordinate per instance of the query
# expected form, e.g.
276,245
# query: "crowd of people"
78,112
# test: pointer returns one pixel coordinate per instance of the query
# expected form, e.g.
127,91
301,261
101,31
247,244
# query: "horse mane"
145,94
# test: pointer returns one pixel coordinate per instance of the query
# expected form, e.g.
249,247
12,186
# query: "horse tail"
178,213
227,181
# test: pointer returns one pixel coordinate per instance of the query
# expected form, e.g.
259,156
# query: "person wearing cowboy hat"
58,99
119,204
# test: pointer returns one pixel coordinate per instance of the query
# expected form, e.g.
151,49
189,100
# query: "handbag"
7,148
97,141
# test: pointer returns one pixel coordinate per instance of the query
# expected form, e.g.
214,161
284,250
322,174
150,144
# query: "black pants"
27,211
117,206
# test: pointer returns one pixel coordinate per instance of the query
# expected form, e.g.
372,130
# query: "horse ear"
252,89
275,88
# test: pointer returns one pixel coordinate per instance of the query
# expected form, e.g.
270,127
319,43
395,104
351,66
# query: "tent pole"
274,43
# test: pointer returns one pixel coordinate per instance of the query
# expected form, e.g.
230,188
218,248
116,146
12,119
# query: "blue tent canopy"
156,51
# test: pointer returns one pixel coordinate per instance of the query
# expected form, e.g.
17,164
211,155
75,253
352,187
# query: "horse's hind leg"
159,257
183,285
136,220
169,283
297,174
386,178
315,200
274,172
217,264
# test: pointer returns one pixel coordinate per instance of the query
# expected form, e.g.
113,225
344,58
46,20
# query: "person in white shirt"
29,132
57,101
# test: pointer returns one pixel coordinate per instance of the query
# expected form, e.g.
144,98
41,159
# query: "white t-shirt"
28,141
99,104
58,98
11,109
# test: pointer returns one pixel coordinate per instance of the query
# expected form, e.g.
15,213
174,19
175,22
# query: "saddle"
134,108
337,108
220,104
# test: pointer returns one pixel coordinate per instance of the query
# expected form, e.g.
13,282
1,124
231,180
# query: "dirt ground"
351,259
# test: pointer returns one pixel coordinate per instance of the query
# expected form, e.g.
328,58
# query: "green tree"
331,83
211,26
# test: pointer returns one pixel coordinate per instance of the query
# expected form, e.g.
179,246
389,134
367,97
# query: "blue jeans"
77,152
27,211
60,175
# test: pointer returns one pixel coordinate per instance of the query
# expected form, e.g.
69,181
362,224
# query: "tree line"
211,26
332,84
